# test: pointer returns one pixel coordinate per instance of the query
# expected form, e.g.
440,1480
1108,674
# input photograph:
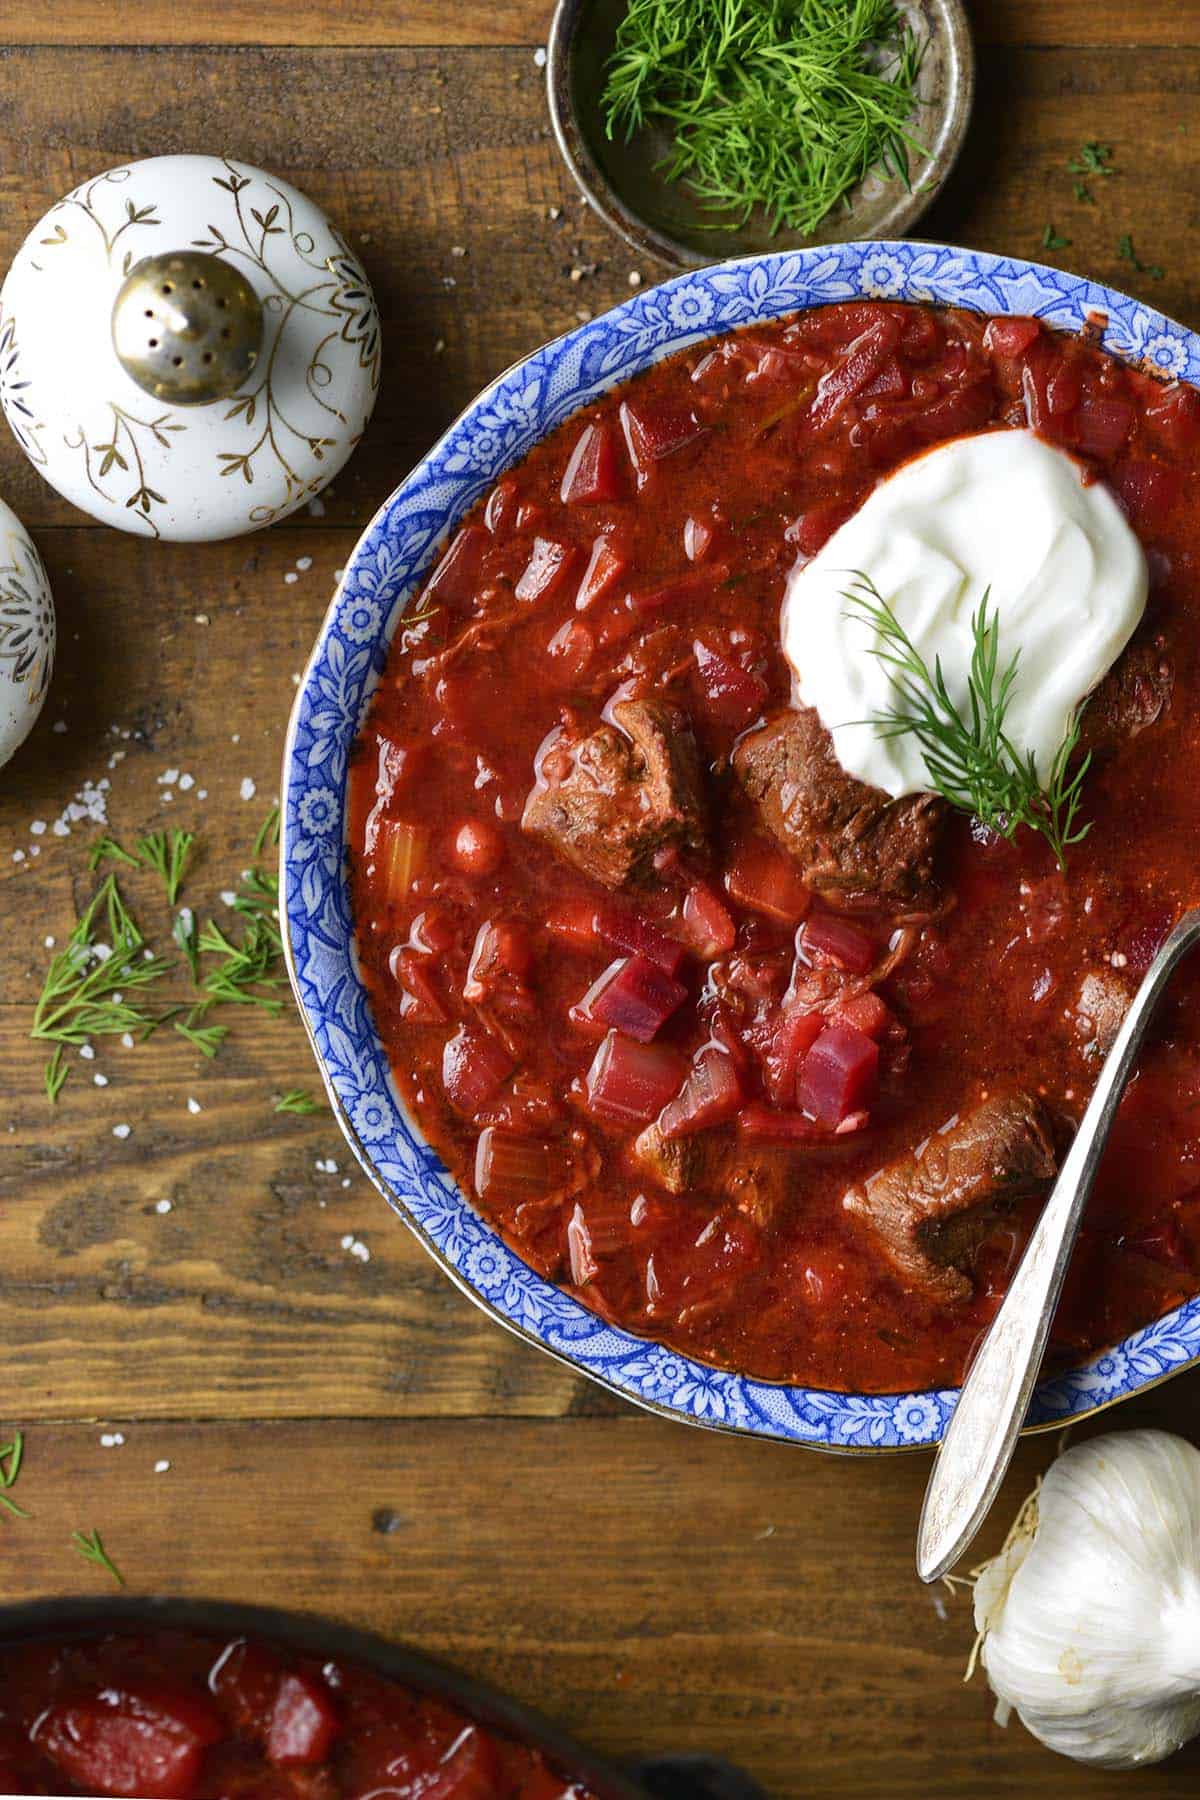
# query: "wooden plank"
419,153
525,22
656,1588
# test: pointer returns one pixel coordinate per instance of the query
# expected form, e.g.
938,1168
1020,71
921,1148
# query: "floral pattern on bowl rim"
392,555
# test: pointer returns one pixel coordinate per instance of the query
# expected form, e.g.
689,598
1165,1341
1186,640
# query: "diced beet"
867,1012
839,1075
550,561
634,995
304,1723
501,957
630,1083
891,383
860,365
1010,337
580,1253
469,1770
733,696
828,938
500,512
594,471
456,578
594,924
475,1066
1064,388
571,649
1176,417
605,567
422,1001
657,428
245,1679
711,1094
680,590
1102,426
795,1033
764,880
814,528
511,1168
774,1126
1148,491
139,1739
706,923
698,538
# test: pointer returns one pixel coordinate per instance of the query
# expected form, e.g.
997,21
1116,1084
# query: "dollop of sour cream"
1002,510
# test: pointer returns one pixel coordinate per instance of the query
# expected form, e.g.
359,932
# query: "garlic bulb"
1090,1615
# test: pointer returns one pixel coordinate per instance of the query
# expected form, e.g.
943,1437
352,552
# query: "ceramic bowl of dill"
701,129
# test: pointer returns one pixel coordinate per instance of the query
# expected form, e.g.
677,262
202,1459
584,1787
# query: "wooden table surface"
353,1435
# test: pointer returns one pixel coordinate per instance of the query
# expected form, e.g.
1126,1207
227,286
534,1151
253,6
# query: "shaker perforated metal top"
187,327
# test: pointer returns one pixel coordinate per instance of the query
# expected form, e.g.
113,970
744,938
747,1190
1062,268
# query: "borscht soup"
758,1058
167,1714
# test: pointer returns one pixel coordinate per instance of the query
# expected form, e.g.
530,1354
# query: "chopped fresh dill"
1083,192
86,990
268,833
782,104
970,760
55,1074
1092,159
1127,253
90,1546
205,1038
1051,239
107,849
184,933
299,1100
167,852
10,1467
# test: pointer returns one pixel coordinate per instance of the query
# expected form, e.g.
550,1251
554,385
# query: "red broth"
185,1716
642,549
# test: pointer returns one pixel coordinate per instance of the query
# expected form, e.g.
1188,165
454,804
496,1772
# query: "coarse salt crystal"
112,1440
161,1466
186,782
303,563
291,576
121,1131
50,943
162,1206
539,57
168,778
193,1105
18,856
127,1040
59,725
87,1051
247,789
38,827
101,952
99,1079
316,509
227,896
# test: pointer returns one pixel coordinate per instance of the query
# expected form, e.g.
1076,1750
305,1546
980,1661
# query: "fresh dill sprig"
183,931
55,1074
1093,159
167,852
164,852
300,1101
107,849
205,1038
91,1547
86,990
782,104
1127,253
1053,240
268,834
970,760
10,1467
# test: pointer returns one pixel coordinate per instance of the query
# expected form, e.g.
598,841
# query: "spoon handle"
982,1434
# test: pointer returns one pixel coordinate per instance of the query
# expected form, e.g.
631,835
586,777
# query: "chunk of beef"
1134,694
931,1210
1101,1006
853,842
755,1180
608,802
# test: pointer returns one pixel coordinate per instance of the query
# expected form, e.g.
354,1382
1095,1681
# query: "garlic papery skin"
1090,1615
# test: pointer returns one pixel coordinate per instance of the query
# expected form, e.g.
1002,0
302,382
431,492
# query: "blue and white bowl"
393,554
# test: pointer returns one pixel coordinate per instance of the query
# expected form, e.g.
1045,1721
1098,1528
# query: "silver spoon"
983,1432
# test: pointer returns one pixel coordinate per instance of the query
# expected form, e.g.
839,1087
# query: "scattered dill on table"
1093,160
90,1546
11,1455
785,105
1051,240
299,1101
1127,253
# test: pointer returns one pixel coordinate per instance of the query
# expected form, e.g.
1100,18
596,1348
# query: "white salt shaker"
188,348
